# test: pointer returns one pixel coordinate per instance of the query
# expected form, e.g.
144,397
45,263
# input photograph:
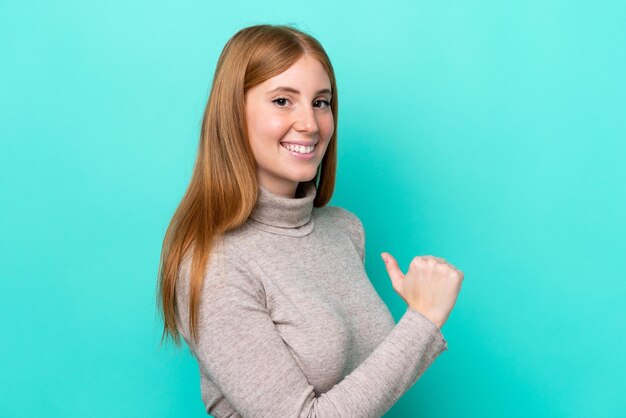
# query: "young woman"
265,283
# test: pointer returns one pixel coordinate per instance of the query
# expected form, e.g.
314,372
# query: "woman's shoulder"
339,214
222,248
342,220
336,212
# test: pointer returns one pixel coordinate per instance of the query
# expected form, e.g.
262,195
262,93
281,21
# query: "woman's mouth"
299,151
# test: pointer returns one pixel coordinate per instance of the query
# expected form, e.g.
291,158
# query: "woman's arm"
242,352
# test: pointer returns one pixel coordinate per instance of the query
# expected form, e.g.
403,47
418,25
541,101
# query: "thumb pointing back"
395,274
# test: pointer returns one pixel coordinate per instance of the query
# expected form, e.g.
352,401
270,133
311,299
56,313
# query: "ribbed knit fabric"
290,324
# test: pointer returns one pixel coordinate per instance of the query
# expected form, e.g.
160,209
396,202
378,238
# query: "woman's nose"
306,121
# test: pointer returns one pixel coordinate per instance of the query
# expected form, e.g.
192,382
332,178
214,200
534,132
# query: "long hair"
223,189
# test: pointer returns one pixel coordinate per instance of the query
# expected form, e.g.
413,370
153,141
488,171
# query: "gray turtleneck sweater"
290,324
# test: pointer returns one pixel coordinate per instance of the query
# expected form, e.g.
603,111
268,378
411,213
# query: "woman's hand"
431,285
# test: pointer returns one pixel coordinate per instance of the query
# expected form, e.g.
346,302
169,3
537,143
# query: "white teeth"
299,148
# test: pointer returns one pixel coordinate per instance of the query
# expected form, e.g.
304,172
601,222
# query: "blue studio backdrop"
489,133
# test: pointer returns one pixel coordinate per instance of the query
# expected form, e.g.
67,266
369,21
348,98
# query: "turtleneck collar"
284,215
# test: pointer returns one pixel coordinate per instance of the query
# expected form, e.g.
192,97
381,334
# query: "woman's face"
288,109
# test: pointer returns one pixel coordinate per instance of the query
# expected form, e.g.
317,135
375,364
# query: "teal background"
489,133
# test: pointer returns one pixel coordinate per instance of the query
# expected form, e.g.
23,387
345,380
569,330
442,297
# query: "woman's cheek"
329,128
277,126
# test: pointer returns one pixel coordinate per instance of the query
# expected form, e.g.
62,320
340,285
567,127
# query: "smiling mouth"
299,148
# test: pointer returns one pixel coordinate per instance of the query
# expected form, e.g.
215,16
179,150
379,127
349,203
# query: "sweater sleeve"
356,230
241,350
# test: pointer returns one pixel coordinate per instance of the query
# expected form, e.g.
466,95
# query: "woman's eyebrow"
292,90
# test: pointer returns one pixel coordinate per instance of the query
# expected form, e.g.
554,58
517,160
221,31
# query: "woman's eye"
279,99
326,103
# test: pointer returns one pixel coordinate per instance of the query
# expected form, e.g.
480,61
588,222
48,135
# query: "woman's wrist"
428,316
